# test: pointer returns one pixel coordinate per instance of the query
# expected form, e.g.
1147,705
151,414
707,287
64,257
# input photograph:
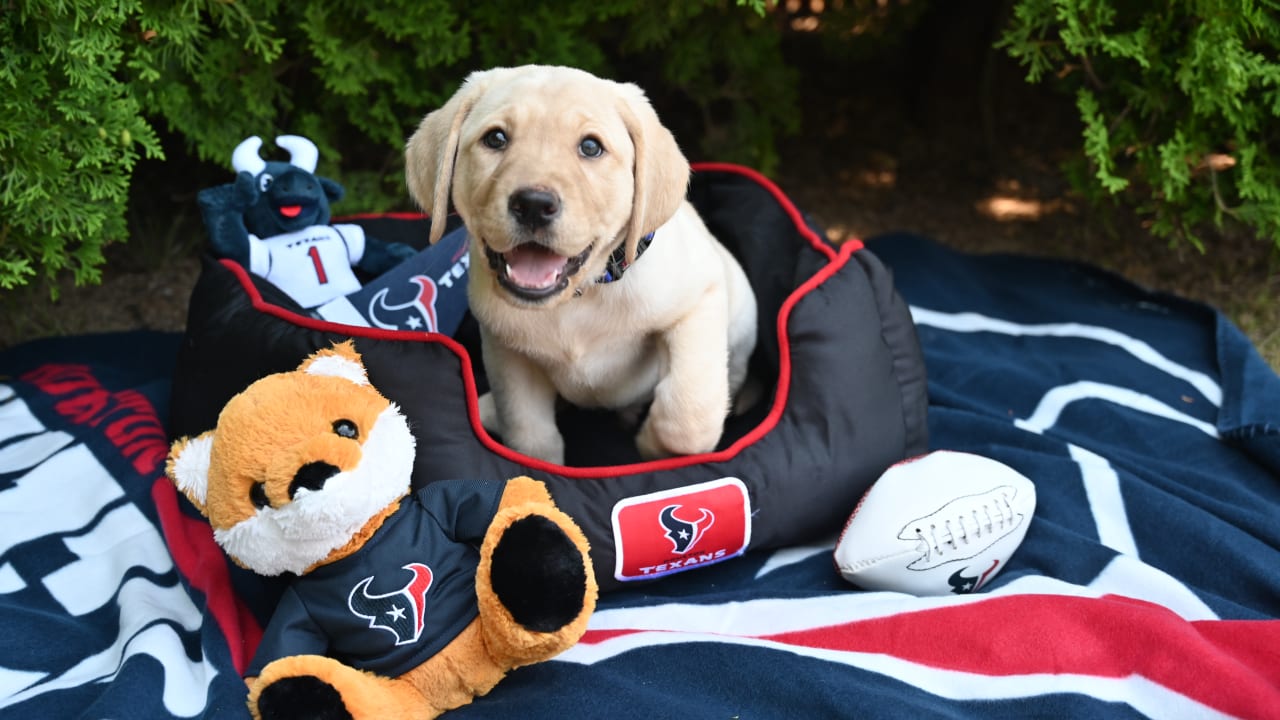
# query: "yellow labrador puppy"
592,278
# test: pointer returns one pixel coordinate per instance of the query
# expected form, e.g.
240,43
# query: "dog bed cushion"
837,353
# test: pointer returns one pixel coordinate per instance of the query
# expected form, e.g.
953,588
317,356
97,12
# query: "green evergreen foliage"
86,84
1180,104
70,133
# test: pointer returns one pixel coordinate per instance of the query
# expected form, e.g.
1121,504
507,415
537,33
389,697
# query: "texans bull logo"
684,534
962,584
402,612
418,313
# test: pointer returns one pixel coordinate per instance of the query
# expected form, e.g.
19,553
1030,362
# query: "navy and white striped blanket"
1148,583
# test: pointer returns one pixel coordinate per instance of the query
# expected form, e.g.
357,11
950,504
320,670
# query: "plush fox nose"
533,208
311,476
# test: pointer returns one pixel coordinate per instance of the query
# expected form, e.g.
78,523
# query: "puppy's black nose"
533,208
311,476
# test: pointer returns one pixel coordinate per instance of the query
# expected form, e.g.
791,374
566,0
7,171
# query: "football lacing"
1004,514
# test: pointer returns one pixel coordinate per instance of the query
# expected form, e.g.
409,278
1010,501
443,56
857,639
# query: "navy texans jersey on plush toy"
274,221
400,603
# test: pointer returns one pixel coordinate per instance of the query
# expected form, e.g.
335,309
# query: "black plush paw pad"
301,697
538,574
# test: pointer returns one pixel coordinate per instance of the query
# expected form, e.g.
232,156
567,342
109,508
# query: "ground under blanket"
1148,583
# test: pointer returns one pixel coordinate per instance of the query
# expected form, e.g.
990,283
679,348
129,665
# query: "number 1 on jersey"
314,254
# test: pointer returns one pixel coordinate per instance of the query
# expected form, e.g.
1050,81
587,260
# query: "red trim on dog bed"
788,207
837,256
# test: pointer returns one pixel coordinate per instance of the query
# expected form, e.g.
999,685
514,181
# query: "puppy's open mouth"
534,272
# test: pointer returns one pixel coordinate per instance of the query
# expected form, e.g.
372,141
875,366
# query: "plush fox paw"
535,553
313,687
535,583
304,696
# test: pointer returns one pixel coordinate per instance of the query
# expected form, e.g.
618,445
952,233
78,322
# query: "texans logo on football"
680,529
962,584
401,612
418,313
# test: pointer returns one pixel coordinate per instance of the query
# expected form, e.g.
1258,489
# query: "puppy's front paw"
649,445
659,439
751,392
544,446
489,413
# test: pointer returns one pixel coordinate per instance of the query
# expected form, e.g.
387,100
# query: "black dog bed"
837,352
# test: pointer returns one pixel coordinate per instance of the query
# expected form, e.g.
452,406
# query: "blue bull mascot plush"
274,220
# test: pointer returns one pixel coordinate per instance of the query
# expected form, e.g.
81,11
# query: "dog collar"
618,260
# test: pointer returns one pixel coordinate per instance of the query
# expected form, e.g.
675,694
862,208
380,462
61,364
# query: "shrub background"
88,87
1180,105
1177,104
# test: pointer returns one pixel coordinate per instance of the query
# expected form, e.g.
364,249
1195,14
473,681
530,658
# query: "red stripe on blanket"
202,562
1233,666
129,421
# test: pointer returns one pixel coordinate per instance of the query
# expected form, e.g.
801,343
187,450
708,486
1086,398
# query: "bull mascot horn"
303,154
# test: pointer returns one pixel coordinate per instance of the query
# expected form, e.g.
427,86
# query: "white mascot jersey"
312,265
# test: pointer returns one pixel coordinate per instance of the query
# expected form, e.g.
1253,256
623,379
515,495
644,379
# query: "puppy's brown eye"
495,139
258,495
590,147
345,428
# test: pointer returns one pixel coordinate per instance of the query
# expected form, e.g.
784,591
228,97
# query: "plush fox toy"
404,604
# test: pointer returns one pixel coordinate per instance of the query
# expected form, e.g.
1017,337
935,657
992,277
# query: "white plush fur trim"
300,534
191,468
338,366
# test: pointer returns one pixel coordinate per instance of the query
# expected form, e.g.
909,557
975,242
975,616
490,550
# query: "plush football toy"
274,221
404,604
944,522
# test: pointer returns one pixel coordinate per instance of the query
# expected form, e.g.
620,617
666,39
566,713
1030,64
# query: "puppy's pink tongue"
534,266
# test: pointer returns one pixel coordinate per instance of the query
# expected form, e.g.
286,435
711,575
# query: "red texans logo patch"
680,529
684,534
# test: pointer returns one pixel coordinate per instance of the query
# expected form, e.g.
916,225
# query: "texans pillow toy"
940,523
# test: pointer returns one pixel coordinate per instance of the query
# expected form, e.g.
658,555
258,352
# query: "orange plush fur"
286,421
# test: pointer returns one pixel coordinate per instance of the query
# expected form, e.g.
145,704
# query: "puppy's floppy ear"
661,170
433,149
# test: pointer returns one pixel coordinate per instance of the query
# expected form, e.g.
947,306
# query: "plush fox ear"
341,360
188,468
